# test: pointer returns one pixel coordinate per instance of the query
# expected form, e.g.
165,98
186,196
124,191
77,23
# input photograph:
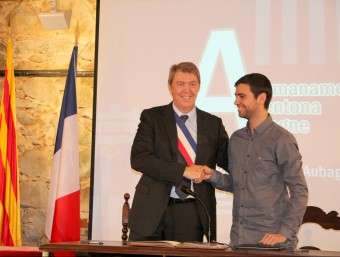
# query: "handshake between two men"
197,173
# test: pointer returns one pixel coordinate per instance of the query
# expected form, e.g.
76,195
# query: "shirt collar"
192,114
260,128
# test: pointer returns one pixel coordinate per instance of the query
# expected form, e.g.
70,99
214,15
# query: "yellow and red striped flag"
10,227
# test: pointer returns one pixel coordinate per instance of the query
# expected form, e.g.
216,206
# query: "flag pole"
9,26
76,34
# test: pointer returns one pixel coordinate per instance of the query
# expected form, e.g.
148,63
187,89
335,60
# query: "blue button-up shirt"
267,180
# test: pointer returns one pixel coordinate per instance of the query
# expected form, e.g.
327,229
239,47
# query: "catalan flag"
63,210
10,227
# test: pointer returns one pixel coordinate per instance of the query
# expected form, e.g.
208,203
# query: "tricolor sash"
186,143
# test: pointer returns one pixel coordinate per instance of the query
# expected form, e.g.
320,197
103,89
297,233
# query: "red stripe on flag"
12,156
184,152
6,234
66,222
2,196
11,141
2,181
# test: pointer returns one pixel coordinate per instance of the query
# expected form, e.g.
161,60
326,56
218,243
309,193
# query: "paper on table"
167,243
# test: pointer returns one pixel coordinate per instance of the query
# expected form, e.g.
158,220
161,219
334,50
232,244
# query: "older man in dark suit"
172,144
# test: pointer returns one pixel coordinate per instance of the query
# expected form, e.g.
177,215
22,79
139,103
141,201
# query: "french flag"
63,209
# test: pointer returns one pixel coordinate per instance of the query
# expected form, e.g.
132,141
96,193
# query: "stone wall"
38,101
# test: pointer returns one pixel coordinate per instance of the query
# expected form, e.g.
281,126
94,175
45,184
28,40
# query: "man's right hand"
194,172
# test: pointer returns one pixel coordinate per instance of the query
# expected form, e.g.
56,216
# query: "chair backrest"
125,217
309,248
314,214
317,215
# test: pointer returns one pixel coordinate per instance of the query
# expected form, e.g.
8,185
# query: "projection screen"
296,43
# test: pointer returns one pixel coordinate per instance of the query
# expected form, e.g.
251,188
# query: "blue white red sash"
186,143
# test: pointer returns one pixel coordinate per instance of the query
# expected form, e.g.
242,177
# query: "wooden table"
27,251
122,249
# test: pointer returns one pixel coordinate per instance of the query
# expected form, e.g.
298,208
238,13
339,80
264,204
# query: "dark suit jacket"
155,153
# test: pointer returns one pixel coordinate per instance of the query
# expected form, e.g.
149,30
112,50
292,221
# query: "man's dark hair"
258,83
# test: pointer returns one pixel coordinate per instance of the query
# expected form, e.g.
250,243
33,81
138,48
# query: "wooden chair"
125,217
316,215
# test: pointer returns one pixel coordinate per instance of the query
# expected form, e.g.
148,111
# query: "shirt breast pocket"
266,169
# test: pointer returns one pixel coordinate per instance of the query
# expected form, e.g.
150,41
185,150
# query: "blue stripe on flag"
69,105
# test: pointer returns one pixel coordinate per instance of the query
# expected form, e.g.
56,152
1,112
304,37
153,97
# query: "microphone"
188,191
185,189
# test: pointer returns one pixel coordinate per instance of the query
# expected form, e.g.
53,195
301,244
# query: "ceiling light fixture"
55,19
